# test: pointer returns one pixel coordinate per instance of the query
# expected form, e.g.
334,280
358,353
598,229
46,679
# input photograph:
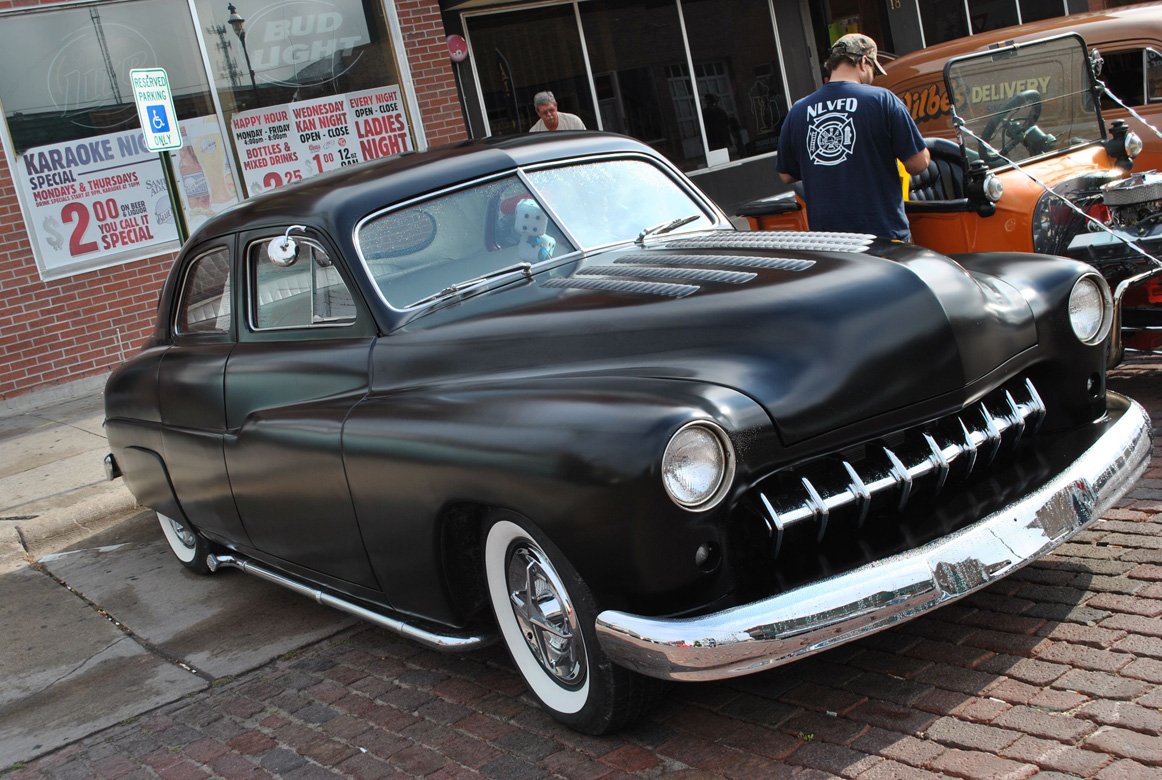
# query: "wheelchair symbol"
158,120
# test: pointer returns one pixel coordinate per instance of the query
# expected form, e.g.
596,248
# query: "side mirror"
284,250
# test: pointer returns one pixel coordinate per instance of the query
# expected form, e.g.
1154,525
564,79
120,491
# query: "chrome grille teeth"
822,491
938,461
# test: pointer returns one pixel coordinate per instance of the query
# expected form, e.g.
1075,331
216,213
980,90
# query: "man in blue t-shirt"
843,141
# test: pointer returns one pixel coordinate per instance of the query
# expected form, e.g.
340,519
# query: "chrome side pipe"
447,643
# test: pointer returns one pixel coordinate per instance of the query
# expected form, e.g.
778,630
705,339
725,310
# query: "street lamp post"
237,22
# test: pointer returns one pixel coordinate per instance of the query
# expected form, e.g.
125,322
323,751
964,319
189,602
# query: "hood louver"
778,239
679,275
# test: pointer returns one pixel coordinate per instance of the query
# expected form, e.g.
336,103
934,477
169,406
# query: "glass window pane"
1153,76
415,252
943,20
1122,73
644,91
1035,10
521,53
609,202
306,86
739,81
992,14
309,292
205,298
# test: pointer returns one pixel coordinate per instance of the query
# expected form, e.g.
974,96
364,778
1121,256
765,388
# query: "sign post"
159,124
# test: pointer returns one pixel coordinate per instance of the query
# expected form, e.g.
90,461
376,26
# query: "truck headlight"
1090,309
1133,145
993,188
698,466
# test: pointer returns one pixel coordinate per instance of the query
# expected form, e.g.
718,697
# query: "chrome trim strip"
776,239
728,261
443,642
646,272
667,289
816,617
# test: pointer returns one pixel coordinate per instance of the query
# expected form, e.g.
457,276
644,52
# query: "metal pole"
175,203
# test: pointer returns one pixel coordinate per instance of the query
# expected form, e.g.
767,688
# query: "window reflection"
92,191
737,72
1035,10
306,86
943,21
82,57
992,15
732,105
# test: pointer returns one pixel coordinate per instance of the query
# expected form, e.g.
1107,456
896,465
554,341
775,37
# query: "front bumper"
797,623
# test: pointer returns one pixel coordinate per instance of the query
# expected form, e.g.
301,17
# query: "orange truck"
1030,152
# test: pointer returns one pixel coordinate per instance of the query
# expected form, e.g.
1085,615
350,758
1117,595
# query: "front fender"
579,457
1075,375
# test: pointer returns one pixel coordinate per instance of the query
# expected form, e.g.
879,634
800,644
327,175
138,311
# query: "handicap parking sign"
158,119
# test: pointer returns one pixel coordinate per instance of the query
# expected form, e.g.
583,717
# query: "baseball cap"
858,45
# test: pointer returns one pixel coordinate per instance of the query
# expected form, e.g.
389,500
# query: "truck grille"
836,495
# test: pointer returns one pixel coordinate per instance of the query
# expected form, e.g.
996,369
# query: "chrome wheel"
183,532
545,613
547,619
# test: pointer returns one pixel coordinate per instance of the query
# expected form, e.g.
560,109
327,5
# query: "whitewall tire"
546,617
189,546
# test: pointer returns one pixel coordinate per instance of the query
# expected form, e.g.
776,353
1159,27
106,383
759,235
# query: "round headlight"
994,188
1090,309
698,466
1133,145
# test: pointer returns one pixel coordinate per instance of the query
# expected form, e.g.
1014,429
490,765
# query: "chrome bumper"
792,625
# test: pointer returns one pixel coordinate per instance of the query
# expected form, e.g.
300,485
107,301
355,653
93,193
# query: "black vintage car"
541,388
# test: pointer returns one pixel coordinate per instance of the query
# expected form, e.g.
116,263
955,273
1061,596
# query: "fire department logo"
830,138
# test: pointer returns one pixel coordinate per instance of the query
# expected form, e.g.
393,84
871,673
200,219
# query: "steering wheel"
1011,123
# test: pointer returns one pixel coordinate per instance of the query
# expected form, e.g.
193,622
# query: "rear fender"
148,480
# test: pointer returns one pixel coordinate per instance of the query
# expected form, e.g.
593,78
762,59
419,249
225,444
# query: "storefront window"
944,20
519,54
305,86
992,14
740,84
644,91
91,193
1036,10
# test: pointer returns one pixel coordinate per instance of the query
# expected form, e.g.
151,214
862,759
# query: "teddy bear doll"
529,225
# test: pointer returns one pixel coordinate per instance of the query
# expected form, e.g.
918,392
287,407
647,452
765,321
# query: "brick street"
1056,671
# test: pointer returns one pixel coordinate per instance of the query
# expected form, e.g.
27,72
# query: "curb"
101,507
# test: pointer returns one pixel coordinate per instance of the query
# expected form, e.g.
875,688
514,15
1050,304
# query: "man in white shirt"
550,117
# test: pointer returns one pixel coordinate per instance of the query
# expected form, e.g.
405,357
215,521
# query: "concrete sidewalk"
53,489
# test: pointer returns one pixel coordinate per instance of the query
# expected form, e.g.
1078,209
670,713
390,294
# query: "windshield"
431,249
1025,100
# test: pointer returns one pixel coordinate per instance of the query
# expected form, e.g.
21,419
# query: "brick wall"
55,332
435,82
59,331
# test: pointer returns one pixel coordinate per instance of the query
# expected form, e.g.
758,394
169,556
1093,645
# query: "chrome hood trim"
816,617
776,239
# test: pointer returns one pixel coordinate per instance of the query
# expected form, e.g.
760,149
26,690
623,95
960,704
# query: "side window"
1153,76
204,302
308,293
1122,74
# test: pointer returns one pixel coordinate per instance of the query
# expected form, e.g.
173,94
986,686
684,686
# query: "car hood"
822,330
